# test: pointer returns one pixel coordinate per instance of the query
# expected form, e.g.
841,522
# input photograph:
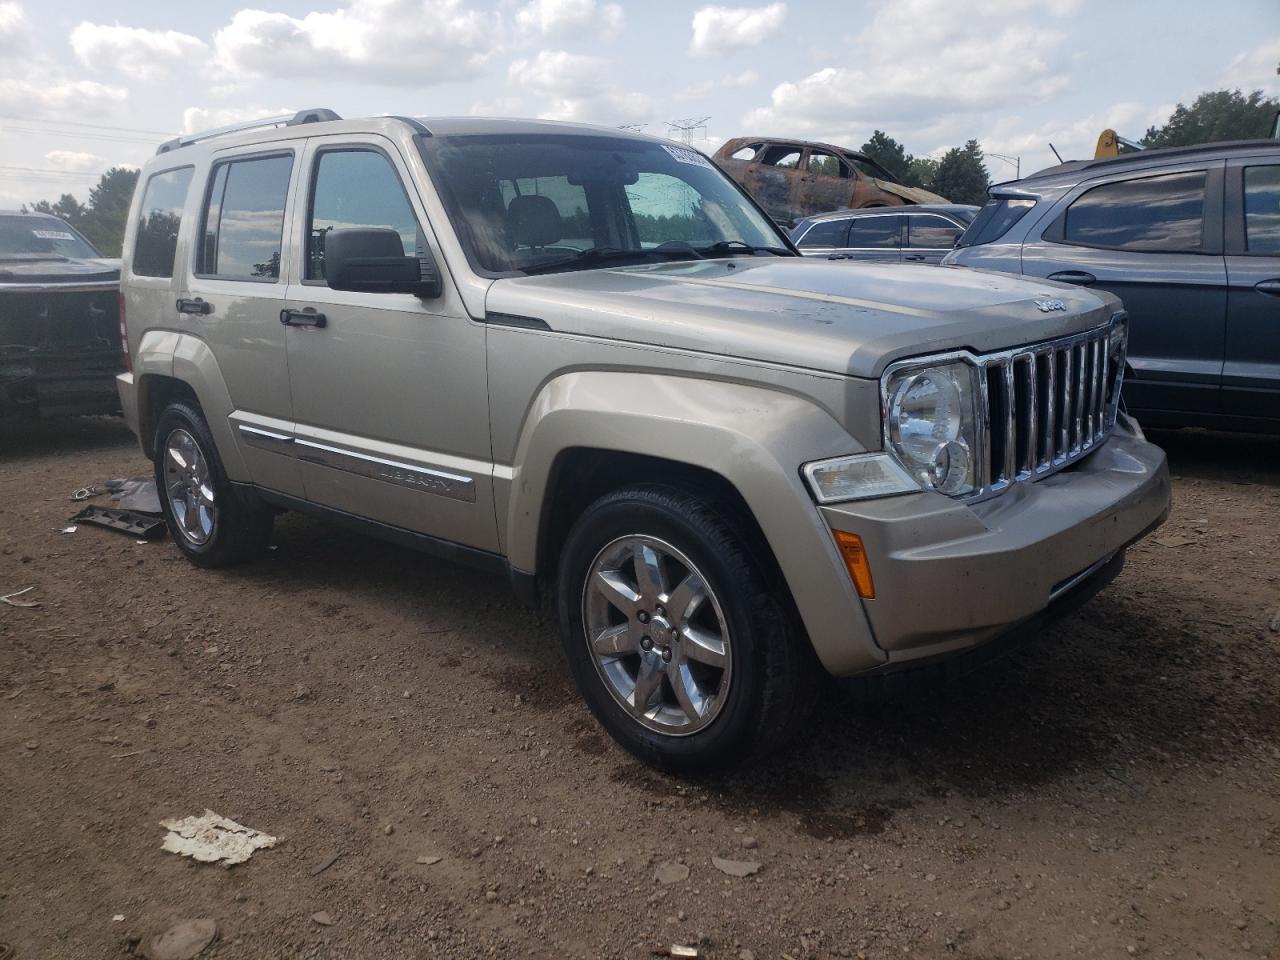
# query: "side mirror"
372,260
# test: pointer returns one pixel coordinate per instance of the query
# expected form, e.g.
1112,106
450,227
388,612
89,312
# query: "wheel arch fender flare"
754,437
168,355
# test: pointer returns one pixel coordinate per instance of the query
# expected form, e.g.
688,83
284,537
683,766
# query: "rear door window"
925,232
1163,214
825,165
352,189
243,229
826,233
875,233
156,241
1262,210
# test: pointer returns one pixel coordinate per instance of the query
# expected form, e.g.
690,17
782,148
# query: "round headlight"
926,412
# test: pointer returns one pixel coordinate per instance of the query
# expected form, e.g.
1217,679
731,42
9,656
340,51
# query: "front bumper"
950,576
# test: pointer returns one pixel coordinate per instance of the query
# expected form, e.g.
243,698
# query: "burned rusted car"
794,179
60,345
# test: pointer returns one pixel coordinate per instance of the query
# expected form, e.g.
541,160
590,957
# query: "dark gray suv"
1189,239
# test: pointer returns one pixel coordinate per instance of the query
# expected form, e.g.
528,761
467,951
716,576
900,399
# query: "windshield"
536,202
42,238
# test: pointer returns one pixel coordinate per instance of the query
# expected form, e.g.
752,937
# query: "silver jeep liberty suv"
586,360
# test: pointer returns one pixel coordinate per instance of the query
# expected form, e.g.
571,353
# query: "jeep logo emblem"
1049,304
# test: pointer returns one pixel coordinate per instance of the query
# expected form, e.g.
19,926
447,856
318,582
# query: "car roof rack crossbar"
315,115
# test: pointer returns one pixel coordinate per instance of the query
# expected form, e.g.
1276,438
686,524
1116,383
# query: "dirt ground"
1111,790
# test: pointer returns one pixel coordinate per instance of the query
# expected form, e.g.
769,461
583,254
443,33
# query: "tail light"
124,337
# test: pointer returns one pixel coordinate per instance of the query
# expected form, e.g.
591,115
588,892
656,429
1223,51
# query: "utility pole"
683,130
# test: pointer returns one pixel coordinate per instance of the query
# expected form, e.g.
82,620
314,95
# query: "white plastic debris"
212,838
70,529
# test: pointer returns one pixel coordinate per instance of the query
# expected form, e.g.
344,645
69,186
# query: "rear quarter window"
1262,209
996,218
159,219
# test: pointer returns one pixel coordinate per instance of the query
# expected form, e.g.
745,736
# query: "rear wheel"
678,637
208,522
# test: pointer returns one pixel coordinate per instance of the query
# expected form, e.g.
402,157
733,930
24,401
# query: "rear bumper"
949,577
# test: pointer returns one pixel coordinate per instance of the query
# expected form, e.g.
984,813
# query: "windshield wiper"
598,255
735,246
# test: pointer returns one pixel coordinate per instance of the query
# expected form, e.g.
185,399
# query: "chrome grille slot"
1047,405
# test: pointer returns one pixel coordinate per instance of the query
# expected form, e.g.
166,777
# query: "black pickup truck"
60,346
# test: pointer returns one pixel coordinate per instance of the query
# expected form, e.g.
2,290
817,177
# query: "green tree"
103,218
108,209
67,208
1216,115
891,155
961,176
923,172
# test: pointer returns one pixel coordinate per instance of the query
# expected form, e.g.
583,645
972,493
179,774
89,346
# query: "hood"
32,268
838,317
910,194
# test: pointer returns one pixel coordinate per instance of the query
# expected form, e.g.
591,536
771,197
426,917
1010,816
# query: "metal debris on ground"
68,530
183,941
125,521
84,493
1275,622
735,868
8,598
137,494
678,950
211,838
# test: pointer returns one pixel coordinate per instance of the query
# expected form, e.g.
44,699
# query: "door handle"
1270,287
303,318
1078,277
195,306
913,256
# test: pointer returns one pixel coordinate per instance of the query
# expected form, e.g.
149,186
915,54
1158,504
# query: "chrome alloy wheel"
189,487
657,635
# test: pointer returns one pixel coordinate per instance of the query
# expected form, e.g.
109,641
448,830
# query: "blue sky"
84,85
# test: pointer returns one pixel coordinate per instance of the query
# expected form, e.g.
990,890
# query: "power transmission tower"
684,130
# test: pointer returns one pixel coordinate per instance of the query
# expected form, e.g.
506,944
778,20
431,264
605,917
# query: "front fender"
180,356
753,437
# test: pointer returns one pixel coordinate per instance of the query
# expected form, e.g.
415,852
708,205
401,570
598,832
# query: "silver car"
919,234
583,359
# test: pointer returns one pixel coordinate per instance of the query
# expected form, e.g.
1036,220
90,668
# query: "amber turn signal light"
856,562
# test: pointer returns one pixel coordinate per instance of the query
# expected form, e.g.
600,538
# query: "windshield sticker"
53,234
685,155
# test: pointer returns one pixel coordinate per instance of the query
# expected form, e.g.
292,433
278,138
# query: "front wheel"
679,638
208,522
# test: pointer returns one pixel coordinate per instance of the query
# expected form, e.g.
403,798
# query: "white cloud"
555,18
15,30
729,81
58,98
195,119
73,160
719,30
560,73
1255,69
133,51
966,59
609,109
404,42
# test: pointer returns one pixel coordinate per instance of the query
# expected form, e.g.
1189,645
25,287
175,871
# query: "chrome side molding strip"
452,485
266,439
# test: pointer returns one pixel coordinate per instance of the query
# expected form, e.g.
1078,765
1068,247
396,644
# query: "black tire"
240,529
774,670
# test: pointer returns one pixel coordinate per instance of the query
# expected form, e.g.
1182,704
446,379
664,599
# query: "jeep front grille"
1047,405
